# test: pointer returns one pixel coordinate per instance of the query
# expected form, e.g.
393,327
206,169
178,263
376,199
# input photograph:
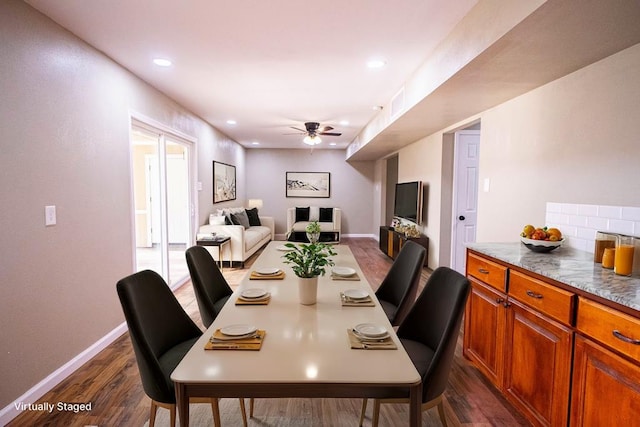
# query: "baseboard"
370,236
10,411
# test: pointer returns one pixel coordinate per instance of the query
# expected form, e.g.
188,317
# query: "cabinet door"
537,365
606,387
384,239
484,330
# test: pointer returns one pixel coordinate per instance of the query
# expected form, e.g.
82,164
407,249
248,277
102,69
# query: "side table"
220,243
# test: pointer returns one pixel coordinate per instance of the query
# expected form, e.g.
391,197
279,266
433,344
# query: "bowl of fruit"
541,239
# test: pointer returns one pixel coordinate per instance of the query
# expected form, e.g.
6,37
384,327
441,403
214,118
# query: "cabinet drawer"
554,302
489,272
611,327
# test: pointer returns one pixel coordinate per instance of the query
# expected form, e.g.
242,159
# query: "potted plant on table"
308,262
313,231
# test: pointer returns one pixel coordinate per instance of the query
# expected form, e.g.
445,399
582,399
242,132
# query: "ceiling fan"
313,132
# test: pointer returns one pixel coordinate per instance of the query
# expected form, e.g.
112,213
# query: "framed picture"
308,184
224,182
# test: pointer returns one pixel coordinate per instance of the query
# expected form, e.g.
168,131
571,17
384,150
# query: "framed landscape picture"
308,184
224,182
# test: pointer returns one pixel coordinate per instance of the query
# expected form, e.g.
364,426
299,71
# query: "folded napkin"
370,344
257,276
350,302
253,301
219,341
352,277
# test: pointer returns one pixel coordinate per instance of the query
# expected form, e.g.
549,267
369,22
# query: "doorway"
162,177
465,195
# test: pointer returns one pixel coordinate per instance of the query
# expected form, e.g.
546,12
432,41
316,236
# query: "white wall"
352,185
574,140
64,130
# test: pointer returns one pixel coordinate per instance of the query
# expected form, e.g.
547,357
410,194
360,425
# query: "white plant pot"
313,237
308,290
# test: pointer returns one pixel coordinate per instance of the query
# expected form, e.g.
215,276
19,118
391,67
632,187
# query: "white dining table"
306,351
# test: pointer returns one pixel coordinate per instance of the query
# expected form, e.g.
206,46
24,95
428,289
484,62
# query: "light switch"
49,215
487,185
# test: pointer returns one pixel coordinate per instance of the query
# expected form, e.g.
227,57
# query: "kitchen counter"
569,266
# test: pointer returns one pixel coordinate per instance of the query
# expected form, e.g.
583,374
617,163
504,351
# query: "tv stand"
391,242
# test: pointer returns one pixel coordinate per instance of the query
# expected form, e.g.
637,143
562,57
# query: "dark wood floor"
110,381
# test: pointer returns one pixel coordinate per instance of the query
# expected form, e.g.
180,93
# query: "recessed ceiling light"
231,122
333,144
344,122
162,62
378,107
255,143
376,63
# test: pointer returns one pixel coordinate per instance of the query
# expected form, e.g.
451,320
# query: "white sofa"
244,241
333,227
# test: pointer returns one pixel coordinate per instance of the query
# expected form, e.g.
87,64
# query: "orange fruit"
554,232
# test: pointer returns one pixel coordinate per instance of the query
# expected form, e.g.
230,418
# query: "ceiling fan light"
312,140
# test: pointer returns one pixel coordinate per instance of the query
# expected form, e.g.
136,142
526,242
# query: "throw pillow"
240,218
302,214
314,213
326,214
254,219
216,219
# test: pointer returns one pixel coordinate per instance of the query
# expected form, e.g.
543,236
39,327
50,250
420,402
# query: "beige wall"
352,185
64,129
574,140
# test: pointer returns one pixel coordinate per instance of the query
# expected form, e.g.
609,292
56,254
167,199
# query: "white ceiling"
271,64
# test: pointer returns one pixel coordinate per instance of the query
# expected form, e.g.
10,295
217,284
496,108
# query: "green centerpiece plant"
313,231
309,260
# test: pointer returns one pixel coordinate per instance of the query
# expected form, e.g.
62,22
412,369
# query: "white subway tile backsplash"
578,220
569,208
610,212
598,223
579,223
557,218
631,214
588,210
554,207
621,226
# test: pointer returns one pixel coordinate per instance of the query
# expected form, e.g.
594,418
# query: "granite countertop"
569,266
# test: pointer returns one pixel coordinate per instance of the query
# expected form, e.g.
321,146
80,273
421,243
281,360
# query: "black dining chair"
211,288
161,333
429,334
399,288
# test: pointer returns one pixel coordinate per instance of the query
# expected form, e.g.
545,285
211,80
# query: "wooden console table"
391,242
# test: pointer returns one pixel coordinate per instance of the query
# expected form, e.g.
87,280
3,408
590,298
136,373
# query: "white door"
465,194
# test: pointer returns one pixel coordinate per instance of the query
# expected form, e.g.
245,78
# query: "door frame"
456,188
137,119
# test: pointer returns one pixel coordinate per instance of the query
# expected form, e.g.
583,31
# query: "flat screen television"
408,201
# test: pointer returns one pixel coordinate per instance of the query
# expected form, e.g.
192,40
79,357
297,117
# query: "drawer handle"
483,271
621,337
534,295
499,300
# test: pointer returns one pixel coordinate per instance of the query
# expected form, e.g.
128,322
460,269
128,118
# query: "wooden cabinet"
484,325
537,364
391,242
518,334
606,377
562,360
605,389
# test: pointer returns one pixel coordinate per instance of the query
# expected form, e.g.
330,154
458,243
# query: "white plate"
343,271
238,330
268,271
283,248
356,294
253,293
369,330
